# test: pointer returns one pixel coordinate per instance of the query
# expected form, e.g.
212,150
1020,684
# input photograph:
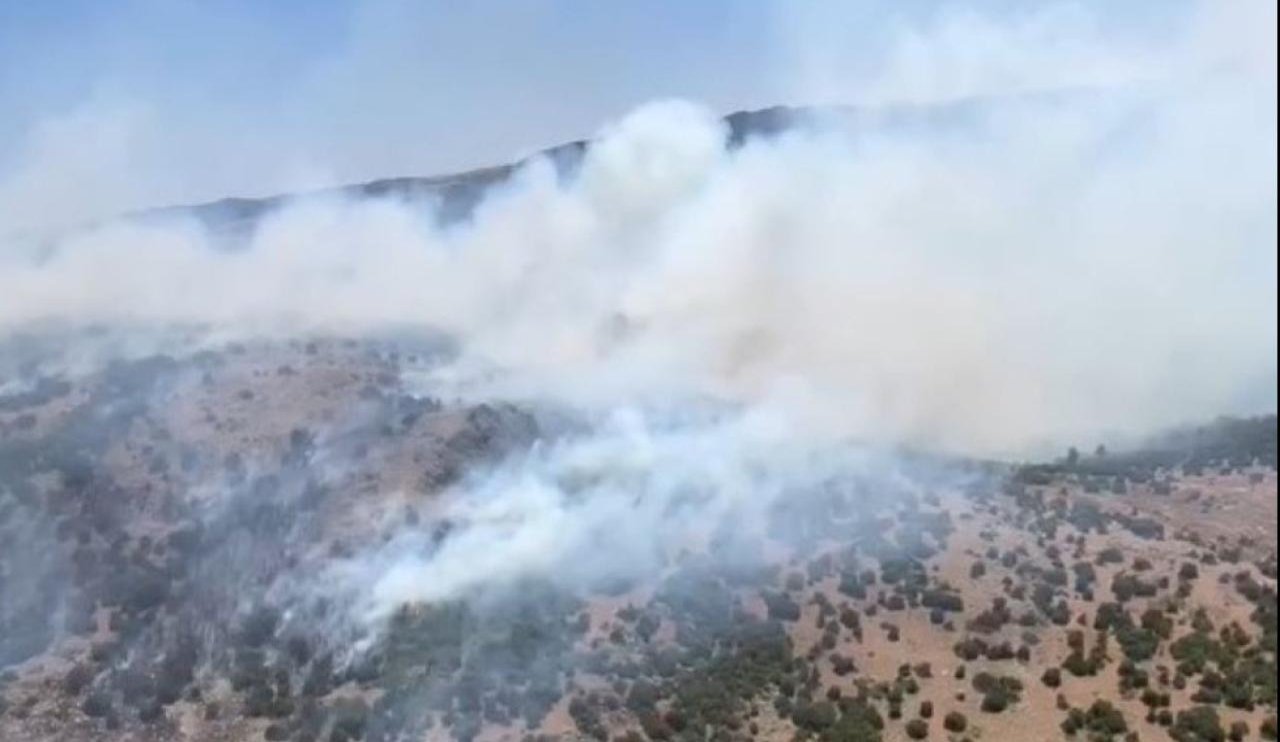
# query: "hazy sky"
196,100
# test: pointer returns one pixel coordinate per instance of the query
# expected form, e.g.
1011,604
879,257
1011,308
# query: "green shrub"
1198,724
955,721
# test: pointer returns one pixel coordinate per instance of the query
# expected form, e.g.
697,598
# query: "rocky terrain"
166,517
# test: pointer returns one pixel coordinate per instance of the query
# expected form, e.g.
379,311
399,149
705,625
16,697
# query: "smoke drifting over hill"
658,363
988,277
1033,269
616,507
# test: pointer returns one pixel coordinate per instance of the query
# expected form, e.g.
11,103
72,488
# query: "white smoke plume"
1053,274
1013,273
619,504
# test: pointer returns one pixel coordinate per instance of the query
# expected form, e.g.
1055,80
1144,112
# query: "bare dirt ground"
150,514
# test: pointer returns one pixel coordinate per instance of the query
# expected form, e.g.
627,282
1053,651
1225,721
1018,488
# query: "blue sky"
199,99
506,68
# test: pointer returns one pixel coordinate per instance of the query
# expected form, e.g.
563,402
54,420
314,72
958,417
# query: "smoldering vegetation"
117,524
288,540
1226,445
597,516
196,558
695,430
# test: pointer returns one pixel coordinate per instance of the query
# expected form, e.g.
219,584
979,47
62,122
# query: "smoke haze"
1033,251
1045,269
542,369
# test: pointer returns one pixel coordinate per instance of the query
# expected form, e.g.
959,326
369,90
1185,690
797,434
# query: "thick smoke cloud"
1014,272
612,507
1041,270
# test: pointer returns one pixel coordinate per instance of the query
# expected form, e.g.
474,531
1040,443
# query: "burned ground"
155,513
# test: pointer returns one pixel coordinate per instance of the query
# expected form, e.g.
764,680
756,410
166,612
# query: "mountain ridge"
455,194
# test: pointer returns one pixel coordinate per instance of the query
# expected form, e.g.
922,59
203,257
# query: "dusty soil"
133,581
